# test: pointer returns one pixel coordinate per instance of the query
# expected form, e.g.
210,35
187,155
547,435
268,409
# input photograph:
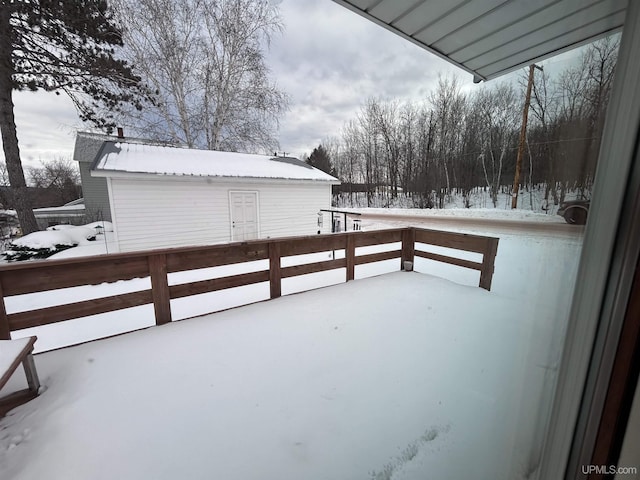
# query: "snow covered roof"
73,208
122,157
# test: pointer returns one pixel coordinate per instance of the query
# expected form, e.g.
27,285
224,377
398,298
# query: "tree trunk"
523,137
8,130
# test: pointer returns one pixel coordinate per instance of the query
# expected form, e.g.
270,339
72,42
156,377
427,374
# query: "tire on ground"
576,215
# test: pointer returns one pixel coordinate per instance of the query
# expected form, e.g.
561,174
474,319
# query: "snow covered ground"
484,213
403,376
530,200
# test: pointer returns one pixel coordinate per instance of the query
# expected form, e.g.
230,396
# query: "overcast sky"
329,60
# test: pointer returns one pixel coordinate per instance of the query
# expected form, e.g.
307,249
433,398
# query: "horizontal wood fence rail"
39,276
487,246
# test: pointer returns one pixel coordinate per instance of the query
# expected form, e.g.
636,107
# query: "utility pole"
523,137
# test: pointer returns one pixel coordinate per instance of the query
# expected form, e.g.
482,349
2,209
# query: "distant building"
165,196
9,225
39,197
72,213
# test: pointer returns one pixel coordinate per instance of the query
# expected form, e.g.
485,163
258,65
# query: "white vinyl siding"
290,209
164,213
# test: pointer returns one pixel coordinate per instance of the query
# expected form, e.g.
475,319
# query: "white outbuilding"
165,196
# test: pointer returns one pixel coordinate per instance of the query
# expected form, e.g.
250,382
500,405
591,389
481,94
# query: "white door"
244,215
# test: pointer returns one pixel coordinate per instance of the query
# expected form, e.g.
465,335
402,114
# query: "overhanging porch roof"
489,38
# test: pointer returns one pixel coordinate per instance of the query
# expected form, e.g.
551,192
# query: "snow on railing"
39,276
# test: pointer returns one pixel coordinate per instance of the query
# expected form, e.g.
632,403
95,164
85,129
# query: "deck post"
275,275
5,331
350,256
408,246
31,373
488,260
160,288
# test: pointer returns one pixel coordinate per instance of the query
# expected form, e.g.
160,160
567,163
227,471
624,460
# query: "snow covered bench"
12,353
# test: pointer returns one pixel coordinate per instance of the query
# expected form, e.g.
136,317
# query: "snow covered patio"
392,375
403,375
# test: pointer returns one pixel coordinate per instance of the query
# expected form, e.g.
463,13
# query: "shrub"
38,245
18,253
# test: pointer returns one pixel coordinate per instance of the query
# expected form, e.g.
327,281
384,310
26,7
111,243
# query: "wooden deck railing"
39,276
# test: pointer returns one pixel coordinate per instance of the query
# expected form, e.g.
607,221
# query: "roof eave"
503,49
108,173
476,76
558,51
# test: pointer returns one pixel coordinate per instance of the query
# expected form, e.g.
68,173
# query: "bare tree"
455,143
499,109
545,112
601,57
388,128
4,175
408,130
61,175
370,147
205,60
582,94
425,140
4,182
471,152
448,107
350,159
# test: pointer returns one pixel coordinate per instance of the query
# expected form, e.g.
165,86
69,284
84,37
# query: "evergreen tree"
320,159
59,46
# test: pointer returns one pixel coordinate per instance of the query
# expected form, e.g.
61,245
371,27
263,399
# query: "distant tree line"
454,143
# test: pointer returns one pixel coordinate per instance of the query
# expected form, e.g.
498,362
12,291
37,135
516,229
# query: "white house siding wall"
292,209
160,213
